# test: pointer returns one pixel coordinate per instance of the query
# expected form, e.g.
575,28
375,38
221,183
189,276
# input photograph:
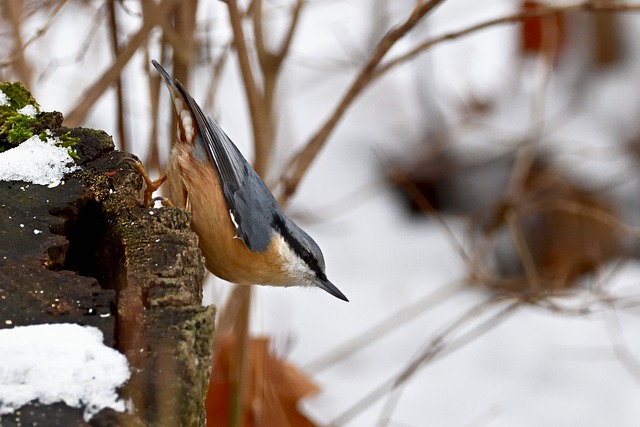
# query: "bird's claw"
150,185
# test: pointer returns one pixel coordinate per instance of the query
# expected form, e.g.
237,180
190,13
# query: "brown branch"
270,60
263,148
253,94
94,92
438,347
19,52
13,11
217,69
170,35
239,369
242,295
476,270
115,46
590,6
184,52
258,33
298,165
524,252
152,161
295,19
270,65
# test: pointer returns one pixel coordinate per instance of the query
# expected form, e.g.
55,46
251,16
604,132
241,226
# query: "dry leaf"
274,388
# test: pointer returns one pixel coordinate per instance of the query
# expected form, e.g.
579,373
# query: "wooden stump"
88,252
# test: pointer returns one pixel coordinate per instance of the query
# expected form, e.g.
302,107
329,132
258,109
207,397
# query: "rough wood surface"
100,258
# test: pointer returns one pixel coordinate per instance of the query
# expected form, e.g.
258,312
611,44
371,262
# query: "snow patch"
60,363
36,161
4,99
28,110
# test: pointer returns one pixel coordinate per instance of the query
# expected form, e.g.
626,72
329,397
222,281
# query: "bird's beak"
331,288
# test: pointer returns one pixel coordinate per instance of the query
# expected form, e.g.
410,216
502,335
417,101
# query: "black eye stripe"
298,248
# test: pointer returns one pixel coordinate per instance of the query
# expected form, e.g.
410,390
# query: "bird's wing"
248,200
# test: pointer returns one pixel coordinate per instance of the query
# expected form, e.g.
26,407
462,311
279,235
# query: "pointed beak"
326,285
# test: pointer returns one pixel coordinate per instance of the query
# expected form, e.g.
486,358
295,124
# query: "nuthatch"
244,235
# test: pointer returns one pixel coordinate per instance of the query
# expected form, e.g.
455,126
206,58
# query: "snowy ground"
536,368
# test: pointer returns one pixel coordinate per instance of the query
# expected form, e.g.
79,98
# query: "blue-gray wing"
249,200
251,205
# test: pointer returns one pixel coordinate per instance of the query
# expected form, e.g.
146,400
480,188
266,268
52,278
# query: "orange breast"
196,187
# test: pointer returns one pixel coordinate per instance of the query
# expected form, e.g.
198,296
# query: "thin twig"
270,67
152,161
438,351
218,66
621,347
300,162
589,5
523,251
475,269
251,90
257,19
385,326
115,46
581,209
38,33
156,14
14,13
293,25
437,347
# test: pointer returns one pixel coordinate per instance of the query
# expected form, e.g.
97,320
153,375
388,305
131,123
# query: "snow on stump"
79,249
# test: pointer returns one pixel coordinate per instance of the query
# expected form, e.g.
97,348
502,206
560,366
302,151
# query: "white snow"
60,363
4,99
28,110
36,161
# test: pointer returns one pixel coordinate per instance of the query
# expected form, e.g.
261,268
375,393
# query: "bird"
243,233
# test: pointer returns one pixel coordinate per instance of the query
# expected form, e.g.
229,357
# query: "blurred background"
470,170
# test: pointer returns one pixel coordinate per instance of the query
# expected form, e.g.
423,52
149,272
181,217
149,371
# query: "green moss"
19,96
16,128
69,142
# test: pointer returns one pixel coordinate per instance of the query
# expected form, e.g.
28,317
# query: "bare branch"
153,155
295,19
252,92
270,60
95,91
436,348
217,68
39,33
258,30
184,52
300,162
298,165
115,46
389,324
591,6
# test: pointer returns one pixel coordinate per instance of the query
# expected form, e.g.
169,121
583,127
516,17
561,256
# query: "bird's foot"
150,185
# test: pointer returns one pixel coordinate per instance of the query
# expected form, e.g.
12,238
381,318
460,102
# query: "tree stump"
89,252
